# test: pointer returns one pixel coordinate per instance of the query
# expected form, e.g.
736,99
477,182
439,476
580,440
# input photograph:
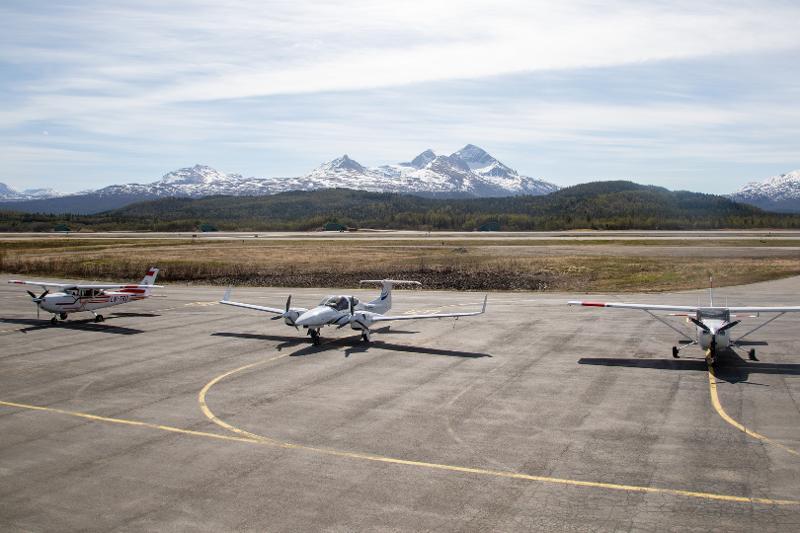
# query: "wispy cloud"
276,87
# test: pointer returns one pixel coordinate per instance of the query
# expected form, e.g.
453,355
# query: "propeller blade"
699,324
276,317
288,303
45,293
32,295
38,308
728,326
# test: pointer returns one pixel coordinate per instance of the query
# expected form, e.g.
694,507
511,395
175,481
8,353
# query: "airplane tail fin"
149,279
384,301
711,290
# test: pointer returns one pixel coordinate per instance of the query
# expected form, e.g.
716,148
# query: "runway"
177,413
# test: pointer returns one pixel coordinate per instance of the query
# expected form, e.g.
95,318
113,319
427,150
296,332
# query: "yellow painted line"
126,422
712,384
201,397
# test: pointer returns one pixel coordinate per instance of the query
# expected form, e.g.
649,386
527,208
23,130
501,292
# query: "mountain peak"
475,156
421,160
196,175
344,163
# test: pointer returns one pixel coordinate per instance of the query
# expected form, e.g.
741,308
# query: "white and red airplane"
712,323
344,310
78,298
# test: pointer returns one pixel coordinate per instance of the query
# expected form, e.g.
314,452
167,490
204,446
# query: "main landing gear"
98,318
677,350
54,320
365,336
315,340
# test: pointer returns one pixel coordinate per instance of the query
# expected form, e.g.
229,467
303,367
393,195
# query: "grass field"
497,264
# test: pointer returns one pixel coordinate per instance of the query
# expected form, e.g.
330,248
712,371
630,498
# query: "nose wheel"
751,354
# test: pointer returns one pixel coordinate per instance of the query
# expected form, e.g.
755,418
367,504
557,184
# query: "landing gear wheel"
675,352
752,354
99,318
63,316
54,321
314,337
364,337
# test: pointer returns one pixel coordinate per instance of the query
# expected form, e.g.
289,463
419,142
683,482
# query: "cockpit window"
340,303
714,314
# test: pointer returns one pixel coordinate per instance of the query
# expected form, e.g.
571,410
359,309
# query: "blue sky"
700,97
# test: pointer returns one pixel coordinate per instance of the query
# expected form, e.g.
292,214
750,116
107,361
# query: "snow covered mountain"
469,172
778,193
197,181
9,194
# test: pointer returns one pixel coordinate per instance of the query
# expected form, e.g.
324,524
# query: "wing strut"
681,333
776,317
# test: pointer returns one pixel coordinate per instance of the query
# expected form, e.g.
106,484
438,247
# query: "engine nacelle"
362,320
290,316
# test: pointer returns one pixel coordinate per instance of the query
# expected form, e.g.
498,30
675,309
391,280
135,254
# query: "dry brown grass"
473,265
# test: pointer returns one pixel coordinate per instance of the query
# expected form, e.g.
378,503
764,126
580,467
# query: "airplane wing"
81,286
385,318
641,307
44,284
764,309
274,310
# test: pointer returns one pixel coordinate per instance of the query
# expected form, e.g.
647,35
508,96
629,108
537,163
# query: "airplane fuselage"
79,301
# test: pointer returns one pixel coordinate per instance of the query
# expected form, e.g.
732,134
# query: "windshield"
340,303
714,314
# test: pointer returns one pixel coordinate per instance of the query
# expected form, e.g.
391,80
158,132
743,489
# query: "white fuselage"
335,310
84,300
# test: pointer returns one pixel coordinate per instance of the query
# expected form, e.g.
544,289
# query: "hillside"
598,205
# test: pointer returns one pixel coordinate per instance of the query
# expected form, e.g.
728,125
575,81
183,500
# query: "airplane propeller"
354,320
700,324
38,300
287,315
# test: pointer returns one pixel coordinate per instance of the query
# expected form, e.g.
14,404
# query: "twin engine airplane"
712,324
71,298
344,310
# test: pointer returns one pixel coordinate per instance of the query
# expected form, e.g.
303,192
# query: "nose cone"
319,316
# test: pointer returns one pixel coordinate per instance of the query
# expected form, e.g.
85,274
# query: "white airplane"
343,310
77,298
712,323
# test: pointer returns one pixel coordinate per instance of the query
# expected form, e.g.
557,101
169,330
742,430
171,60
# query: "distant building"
205,228
492,225
61,228
333,226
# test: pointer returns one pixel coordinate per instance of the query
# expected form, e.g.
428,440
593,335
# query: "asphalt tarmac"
177,413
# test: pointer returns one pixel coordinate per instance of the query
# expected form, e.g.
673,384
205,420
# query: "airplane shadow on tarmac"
80,325
285,341
354,344
730,366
